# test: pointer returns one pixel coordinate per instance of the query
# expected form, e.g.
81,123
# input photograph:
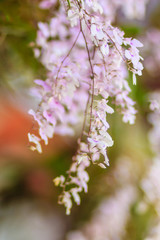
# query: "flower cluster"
154,117
131,8
86,60
152,54
115,208
151,187
77,177
151,183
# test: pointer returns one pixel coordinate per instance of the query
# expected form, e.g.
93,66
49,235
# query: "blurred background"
28,197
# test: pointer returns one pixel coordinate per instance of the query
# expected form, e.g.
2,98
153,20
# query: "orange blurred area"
14,127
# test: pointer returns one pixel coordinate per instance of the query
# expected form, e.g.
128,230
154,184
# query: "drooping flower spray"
86,58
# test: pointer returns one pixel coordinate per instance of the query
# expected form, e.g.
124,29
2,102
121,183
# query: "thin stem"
92,76
84,122
115,45
68,54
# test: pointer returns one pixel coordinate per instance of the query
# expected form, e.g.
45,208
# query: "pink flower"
105,49
96,31
47,4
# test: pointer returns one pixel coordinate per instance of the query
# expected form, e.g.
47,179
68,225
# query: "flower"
34,139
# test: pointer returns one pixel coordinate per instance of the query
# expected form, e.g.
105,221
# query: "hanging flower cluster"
130,8
86,60
115,208
152,54
151,183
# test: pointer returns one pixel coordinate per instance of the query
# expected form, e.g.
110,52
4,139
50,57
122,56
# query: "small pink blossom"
45,4
96,31
105,49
